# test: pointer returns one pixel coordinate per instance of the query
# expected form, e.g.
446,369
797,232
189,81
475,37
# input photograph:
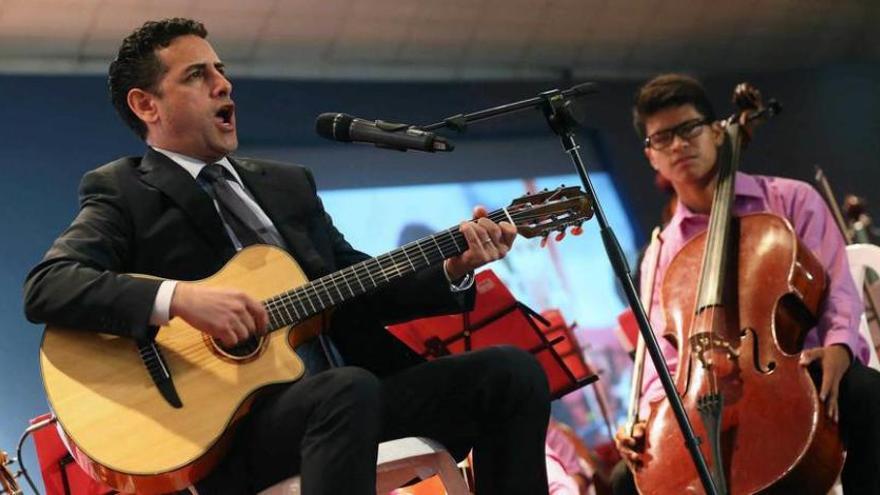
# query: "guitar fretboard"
297,305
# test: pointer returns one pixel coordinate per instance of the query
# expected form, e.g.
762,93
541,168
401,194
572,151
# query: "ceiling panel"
322,8
501,45
458,38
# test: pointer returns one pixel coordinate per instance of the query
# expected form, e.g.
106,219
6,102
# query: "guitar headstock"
540,214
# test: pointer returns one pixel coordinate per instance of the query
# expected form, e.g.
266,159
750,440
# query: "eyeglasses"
686,130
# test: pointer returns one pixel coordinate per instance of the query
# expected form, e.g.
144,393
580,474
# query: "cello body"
774,435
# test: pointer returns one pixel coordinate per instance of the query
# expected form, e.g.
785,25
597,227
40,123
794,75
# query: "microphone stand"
459,122
556,108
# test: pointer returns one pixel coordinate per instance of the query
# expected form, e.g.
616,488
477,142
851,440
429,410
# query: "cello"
739,331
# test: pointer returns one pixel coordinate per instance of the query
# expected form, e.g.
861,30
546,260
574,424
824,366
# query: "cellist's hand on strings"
629,445
487,241
835,360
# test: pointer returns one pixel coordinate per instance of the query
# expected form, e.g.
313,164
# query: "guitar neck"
307,300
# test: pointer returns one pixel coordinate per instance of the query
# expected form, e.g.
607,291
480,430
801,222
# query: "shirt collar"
193,165
745,186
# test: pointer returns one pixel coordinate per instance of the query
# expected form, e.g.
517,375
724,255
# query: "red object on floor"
61,475
499,319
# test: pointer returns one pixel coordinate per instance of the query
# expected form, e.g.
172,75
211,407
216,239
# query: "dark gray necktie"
245,224
247,227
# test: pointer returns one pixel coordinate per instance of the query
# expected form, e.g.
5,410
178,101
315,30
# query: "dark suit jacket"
148,216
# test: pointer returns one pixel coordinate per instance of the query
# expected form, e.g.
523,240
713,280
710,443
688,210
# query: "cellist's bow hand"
631,444
835,360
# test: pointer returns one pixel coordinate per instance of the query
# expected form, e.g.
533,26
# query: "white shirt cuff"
162,304
462,286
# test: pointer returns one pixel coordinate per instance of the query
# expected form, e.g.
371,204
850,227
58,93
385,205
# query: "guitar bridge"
159,372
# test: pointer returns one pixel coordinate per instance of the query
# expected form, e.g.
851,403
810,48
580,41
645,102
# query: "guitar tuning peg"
577,230
560,235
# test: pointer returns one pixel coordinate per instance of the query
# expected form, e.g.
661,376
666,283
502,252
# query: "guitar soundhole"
243,350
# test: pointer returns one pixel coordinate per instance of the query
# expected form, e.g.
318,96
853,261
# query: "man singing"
184,208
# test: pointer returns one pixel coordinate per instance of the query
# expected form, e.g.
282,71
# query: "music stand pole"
555,108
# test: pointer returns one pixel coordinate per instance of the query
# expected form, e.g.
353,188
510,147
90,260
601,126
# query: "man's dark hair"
137,66
666,91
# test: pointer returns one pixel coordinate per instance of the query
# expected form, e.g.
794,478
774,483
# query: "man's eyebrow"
198,65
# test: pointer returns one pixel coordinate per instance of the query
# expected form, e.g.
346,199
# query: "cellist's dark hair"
137,66
666,91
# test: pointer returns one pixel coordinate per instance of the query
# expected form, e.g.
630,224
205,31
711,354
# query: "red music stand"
497,319
61,475
568,348
627,330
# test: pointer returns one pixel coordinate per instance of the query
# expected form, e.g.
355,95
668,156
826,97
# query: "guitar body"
118,426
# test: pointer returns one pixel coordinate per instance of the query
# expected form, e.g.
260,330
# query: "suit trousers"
859,401
327,426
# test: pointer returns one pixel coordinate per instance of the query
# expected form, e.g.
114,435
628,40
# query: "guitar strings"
450,243
287,301
385,263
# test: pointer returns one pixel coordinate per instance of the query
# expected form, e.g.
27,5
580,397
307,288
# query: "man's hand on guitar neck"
229,315
487,241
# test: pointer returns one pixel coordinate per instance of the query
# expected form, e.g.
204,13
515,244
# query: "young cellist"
682,137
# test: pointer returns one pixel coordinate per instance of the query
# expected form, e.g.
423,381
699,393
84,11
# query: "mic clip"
437,143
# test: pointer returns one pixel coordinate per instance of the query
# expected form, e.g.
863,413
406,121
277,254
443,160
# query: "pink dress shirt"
559,482
809,215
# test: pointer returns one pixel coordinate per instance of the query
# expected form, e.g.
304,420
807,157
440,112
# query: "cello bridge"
703,343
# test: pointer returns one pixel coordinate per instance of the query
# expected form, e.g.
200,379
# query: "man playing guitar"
183,210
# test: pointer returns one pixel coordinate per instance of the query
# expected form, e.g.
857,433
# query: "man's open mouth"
225,115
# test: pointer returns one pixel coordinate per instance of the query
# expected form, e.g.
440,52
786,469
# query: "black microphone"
401,137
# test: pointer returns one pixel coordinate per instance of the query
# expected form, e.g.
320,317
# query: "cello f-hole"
756,354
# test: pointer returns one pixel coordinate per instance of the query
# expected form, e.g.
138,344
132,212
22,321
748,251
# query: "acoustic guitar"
156,417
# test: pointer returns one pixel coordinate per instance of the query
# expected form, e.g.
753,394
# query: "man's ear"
717,133
143,104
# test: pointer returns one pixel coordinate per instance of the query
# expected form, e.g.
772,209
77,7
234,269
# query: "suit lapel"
275,199
162,173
